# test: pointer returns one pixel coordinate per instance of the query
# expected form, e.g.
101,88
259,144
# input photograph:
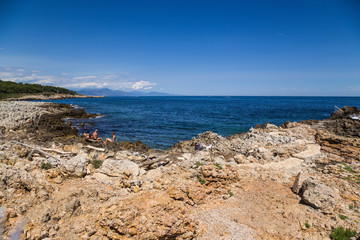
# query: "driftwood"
95,148
36,149
159,159
58,152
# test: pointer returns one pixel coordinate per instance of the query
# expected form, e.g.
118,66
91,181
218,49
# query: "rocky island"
299,180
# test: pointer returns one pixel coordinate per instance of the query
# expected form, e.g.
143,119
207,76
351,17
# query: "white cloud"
143,85
121,81
84,77
85,85
45,81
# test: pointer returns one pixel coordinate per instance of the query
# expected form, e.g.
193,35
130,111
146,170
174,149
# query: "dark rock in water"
344,112
344,127
340,123
258,126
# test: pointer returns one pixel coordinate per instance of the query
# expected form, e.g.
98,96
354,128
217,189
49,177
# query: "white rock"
75,166
116,168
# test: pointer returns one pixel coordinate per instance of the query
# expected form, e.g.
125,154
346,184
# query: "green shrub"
217,165
307,225
341,234
348,168
46,166
198,164
231,193
347,178
343,217
96,163
351,207
201,180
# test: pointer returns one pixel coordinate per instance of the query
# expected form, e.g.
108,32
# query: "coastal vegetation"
10,89
96,163
341,234
46,166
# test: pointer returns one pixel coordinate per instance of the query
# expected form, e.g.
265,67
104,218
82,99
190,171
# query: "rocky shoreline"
294,181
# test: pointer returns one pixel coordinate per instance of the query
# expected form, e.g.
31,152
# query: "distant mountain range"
118,93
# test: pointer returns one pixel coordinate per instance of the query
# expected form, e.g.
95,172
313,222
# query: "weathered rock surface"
117,168
246,186
75,166
317,195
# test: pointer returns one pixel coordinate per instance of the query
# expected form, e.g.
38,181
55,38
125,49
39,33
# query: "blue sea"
160,122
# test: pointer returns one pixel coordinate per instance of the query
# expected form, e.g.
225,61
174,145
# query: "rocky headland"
294,181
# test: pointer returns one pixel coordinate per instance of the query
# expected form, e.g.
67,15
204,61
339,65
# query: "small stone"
135,189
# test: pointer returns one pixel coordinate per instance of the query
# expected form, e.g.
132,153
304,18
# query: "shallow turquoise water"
160,122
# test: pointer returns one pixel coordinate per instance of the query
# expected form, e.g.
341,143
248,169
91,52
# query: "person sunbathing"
87,135
109,140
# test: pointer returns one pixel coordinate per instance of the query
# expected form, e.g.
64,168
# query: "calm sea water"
160,122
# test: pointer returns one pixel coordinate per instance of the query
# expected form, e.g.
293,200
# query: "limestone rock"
219,175
240,158
298,182
118,168
317,195
12,177
152,215
75,166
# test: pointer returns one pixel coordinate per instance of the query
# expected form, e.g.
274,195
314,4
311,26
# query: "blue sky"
297,47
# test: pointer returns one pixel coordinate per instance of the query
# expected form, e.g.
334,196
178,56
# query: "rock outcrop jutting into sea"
294,181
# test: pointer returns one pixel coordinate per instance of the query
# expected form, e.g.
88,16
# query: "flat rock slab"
311,151
117,168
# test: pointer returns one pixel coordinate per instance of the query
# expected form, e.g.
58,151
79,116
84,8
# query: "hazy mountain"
138,93
117,93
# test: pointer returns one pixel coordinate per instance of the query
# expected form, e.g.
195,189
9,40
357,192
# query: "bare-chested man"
95,135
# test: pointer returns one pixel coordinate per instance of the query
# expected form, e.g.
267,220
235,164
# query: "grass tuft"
231,193
46,166
198,164
218,166
96,163
201,180
348,168
343,217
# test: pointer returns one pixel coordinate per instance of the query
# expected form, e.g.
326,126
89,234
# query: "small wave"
100,116
76,106
354,116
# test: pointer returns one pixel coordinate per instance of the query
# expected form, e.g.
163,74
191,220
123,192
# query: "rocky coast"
293,181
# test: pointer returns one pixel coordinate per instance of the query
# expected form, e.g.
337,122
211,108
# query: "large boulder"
118,168
75,166
317,195
13,177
